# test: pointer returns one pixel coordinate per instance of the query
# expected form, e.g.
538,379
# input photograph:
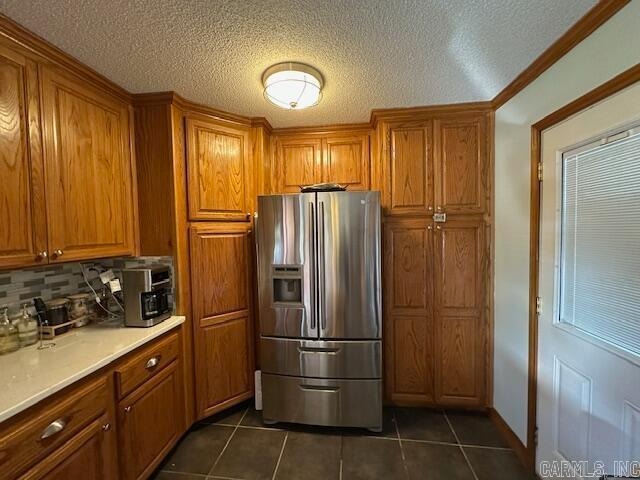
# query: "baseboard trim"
512,439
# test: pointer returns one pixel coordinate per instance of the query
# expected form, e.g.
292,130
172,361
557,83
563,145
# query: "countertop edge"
79,375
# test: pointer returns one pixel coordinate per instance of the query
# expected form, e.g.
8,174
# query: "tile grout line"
404,460
464,454
280,456
215,464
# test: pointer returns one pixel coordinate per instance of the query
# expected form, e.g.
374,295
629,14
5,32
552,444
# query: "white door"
589,327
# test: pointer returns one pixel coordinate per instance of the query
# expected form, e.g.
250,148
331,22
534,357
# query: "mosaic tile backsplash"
53,281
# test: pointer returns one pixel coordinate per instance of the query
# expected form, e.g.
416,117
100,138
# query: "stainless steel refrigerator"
320,308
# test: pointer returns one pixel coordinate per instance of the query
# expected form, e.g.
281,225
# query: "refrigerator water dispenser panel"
287,284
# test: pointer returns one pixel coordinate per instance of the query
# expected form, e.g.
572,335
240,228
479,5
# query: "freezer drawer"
322,359
339,403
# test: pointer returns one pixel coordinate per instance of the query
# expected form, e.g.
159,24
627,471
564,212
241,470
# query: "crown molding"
584,27
48,52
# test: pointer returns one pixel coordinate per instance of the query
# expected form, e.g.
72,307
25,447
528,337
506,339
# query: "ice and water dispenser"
287,284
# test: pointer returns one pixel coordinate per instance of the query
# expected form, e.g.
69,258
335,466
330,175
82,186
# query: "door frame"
607,89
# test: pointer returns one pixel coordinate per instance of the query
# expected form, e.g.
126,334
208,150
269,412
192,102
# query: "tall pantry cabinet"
197,168
434,178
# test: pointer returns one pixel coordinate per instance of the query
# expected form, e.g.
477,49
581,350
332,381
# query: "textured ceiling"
372,53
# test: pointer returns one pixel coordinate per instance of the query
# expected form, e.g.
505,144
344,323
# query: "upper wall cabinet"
297,161
460,164
409,179
306,159
346,161
89,179
435,165
219,178
23,237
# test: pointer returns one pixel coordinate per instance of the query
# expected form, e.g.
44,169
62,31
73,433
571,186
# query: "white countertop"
30,375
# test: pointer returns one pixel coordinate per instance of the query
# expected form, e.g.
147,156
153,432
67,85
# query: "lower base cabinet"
222,303
89,455
118,424
147,424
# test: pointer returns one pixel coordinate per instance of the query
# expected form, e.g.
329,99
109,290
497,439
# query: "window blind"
600,242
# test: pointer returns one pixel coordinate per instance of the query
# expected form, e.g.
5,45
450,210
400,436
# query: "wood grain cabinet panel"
408,325
149,423
410,172
222,294
219,177
89,181
297,163
346,161
461,177
22,212
89,455
460,332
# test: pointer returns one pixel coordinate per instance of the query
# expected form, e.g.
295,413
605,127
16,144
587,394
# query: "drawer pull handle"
53,428
319,388
152,362
318,350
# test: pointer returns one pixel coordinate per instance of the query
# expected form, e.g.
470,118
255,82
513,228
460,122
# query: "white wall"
610,50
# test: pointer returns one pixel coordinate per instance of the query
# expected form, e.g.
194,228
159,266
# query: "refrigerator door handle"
321,265
312,248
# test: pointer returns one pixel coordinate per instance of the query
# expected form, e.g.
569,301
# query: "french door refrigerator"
319,298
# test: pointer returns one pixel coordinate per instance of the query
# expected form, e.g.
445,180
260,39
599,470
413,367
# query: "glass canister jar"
9,341
27,327
79,308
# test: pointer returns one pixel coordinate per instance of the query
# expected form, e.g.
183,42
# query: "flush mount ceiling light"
292,85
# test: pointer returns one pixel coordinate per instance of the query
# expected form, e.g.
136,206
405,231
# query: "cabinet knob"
106,427
42,255
58,252
429,227
430,208
439,208
127,408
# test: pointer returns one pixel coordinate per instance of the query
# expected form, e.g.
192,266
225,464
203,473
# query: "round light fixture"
292,85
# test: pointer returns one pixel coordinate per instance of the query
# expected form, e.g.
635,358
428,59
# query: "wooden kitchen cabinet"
460,328
219,170
346,161
306,159
222,305
297,162
408,302
23,234
409,174
89,180
460,164
149,423
89,455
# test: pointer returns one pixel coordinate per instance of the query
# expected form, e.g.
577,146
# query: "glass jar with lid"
9,341
27,327
79,308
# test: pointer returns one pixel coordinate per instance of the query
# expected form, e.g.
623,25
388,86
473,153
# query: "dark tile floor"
415,443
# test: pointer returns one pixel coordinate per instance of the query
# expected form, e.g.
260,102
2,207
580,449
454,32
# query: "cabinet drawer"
146,364
28,442
321,359
339,403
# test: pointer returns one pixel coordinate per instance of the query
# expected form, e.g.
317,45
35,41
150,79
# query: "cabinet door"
346,161
410,169
460,330
219,170
408,299
297,163
149,423
461,176
89,455
221,279
90,205
22,213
